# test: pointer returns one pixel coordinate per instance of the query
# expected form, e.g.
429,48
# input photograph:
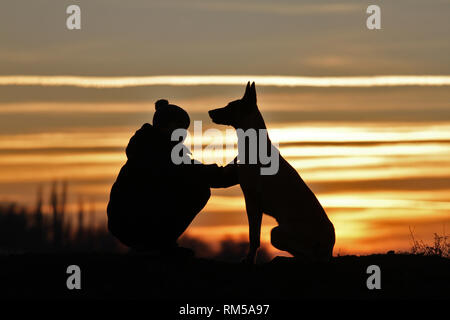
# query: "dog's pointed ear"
247,91
252,94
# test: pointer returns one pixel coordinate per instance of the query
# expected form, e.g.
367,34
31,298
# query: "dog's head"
233,113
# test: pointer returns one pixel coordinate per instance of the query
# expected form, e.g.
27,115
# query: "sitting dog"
304,229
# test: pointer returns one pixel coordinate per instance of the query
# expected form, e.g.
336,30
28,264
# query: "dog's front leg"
254,215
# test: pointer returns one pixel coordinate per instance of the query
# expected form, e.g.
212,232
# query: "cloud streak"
276,8
224,80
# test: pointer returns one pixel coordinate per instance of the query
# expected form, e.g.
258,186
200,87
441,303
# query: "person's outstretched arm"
221,177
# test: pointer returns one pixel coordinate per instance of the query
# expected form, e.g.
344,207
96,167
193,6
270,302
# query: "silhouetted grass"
23,229
440,247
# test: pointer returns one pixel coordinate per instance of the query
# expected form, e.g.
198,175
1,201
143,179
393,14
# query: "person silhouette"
153,200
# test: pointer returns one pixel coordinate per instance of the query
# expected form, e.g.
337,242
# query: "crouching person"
153,200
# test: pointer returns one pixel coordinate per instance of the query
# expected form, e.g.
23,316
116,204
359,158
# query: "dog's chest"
249,178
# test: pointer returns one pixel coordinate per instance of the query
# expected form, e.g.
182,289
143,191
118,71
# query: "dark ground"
135,276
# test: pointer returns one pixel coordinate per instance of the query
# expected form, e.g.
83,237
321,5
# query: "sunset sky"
364,116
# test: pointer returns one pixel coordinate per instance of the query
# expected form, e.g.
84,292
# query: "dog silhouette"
304,229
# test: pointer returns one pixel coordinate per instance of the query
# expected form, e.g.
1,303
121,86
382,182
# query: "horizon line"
224,80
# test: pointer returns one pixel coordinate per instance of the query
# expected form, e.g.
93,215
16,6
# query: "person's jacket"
154,200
